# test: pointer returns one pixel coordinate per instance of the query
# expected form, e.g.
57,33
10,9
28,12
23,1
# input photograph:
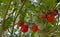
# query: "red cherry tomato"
24,28
20,23
54,12
34,28
50,17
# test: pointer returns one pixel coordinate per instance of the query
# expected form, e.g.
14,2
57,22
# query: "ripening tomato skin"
43,16
20,23
34,28
54,12
24,28
49,17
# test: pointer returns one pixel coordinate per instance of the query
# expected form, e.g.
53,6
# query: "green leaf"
49,3
5,1
54,22
43,8
32,34
2,10
29,13
53,3
28,4
58,7
22,16
37,9
51,26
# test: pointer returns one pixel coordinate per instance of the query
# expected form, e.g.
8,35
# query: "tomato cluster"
24,27
49,16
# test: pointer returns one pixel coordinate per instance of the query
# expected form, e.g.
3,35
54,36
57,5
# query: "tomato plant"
29,18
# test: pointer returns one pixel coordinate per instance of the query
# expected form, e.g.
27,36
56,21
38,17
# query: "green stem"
23,35
32,34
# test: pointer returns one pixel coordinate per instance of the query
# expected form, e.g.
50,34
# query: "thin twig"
10,14
8,18
6,11
5,17
9,31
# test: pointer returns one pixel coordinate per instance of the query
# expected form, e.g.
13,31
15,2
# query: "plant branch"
17,16
10,14
5,17
6,11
